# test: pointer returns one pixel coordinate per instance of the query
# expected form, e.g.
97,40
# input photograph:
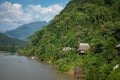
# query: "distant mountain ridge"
10,44
8,41
23,31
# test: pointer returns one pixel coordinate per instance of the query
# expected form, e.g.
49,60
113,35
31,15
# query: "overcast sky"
14,13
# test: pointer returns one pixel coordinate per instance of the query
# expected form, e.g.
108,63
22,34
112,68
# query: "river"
14,67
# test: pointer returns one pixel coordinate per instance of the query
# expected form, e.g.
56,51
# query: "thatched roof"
67,48
83,46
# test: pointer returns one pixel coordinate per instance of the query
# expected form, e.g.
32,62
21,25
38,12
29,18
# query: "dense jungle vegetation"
96,22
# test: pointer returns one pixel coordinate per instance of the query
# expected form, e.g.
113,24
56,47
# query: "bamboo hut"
83,47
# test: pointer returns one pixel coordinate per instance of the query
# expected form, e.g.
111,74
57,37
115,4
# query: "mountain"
10,44
23,31
96,22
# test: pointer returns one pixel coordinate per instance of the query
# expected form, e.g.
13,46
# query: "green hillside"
23,31
10,44
96,22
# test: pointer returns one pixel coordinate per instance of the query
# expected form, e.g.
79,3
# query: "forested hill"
10,44
23,31
96,22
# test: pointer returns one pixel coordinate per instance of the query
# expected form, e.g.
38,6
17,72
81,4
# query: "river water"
13,67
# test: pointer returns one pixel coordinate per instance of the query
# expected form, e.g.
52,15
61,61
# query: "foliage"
96,22
115,75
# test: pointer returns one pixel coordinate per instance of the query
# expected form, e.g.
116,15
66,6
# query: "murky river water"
13,67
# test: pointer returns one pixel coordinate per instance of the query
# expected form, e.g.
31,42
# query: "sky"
14,13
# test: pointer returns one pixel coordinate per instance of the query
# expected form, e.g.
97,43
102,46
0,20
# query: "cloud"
14,15
37,12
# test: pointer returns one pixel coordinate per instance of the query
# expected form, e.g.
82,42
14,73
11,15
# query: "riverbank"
69,73
63,62
75,72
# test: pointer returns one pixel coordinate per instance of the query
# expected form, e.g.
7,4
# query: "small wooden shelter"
83,47
67,49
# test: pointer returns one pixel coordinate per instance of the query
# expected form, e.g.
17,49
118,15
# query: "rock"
77,72
49,62
33,57
71,72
